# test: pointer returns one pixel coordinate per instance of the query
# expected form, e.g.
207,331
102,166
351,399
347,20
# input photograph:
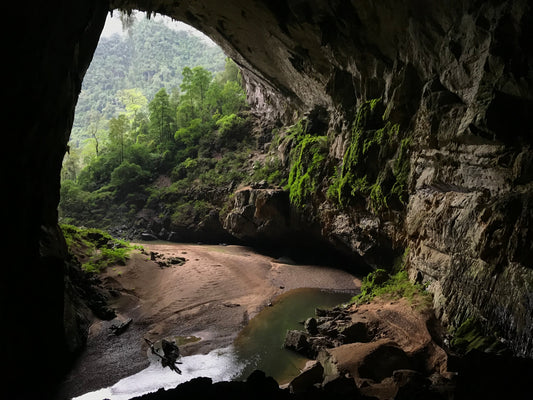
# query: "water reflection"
260,343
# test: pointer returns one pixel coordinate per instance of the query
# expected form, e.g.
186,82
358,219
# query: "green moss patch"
365,171
95,249
308,155
470,336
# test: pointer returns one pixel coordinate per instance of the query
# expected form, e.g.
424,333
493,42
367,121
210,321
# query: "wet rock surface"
260,214
397,353
372,344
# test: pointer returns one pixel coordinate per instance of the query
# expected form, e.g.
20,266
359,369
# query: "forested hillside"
149,57
161,139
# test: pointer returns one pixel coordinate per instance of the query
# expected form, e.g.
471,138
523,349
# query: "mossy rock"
471,336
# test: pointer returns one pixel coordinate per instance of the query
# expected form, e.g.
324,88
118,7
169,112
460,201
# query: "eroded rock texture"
458,79
456,76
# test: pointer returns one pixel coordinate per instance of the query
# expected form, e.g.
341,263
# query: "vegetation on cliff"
374,169
365,171
308,154
394,284
471,335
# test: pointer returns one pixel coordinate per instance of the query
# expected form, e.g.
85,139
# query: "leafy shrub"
271,171
128,177
190,212
74,200
381,283
228,122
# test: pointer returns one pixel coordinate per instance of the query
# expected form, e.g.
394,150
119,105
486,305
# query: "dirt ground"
212,297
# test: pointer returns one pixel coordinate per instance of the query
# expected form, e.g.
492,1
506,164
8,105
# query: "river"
219,295
258,346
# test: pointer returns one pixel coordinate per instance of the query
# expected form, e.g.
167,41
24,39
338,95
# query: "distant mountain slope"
151,56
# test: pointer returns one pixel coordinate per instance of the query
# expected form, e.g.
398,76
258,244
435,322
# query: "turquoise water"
260,343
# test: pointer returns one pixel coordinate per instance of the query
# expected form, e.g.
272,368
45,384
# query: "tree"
195,86
133,101
128,178
161,117
231,73
226,95
233,98
71,164
95,119
118,129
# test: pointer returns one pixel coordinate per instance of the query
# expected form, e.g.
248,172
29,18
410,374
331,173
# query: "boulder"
297,341
382,361
328,328
310,376
354,332
310,326
148,236
259,213
412,385
343,386
317,343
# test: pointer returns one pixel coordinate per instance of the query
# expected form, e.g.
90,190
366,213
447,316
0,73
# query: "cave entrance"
162,138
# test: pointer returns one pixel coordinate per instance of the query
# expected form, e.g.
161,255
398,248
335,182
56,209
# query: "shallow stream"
260,343
258,346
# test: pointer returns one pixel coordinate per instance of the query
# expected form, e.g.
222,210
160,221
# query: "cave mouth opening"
159,102
113,128
123,187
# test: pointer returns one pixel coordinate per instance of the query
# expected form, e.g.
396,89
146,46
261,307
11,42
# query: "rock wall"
456,76
49,50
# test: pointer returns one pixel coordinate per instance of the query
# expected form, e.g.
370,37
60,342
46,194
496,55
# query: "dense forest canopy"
149,57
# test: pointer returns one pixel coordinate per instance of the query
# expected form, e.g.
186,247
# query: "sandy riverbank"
212,296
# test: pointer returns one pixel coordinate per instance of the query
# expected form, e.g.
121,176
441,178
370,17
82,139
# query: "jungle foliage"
151,56
197,137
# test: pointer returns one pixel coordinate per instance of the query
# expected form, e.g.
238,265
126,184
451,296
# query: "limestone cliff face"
456,76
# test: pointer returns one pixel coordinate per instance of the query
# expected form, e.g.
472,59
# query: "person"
171,354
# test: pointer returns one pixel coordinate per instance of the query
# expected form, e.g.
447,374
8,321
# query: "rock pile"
164,262
382,350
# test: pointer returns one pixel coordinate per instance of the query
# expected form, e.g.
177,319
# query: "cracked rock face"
456,76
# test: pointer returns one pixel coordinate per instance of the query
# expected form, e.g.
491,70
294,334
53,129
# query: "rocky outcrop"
457,79
393,349
379,346
260,214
